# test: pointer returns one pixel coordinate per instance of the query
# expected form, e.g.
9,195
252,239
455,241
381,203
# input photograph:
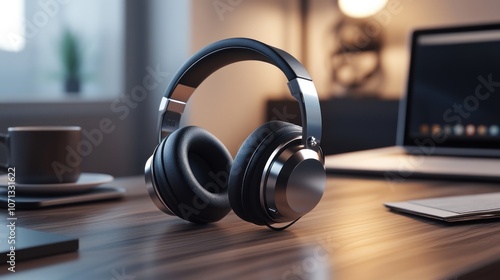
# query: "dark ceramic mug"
39,154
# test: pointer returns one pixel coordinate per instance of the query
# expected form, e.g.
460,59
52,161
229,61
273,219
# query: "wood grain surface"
349,235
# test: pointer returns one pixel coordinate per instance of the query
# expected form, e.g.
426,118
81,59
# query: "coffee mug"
39,154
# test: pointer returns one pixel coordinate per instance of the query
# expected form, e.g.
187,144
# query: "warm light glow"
361,8
12,35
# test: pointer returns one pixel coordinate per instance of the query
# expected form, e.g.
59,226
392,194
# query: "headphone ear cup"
191,171
248,165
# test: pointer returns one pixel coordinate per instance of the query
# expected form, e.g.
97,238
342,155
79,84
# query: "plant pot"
72,85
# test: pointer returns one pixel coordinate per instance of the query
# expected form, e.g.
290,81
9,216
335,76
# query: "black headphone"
278,174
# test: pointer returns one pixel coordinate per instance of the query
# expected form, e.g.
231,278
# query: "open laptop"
449,119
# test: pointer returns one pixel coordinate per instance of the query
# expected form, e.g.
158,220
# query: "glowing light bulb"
361,8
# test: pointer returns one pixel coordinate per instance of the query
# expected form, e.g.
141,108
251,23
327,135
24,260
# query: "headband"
219,54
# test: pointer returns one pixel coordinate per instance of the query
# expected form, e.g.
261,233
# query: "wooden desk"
350,235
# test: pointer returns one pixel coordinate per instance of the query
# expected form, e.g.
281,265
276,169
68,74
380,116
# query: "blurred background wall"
133,48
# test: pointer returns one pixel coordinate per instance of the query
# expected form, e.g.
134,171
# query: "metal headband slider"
305,92
170,116
172,105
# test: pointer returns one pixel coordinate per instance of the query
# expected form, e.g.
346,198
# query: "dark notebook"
30,244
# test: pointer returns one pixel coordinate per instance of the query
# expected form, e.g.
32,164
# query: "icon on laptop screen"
494,130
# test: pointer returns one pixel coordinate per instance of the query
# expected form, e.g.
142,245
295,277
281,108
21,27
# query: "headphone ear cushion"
250,161
191,169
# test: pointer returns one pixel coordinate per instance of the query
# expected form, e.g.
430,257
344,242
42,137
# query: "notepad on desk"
23,244
453,208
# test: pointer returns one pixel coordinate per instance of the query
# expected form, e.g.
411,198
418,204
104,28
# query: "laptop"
449,118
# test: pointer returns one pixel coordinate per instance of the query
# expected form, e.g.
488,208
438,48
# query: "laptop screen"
453,95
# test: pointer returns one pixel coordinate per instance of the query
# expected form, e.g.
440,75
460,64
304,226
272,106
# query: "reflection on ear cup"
191,171
248,166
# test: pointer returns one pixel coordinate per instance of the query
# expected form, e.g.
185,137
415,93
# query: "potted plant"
71,62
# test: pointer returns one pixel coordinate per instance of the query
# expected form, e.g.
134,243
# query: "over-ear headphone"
278,174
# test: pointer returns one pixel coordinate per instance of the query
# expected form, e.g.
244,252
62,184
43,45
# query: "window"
52,49
11,25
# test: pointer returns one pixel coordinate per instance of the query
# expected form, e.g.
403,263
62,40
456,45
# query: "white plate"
86,182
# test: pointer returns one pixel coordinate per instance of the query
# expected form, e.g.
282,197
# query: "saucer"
86,182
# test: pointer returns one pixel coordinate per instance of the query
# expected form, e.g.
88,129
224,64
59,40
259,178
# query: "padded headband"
219,54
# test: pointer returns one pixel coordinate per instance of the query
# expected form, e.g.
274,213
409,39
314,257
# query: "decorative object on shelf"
355,57
71,62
